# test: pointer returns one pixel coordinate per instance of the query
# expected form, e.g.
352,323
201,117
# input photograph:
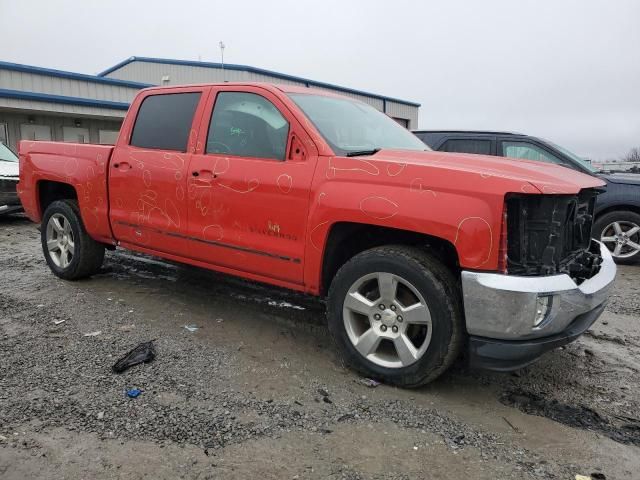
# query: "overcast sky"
565,70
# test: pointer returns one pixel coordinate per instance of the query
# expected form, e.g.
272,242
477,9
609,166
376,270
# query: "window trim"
289,136
155,93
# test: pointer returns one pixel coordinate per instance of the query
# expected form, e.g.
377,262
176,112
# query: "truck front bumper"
513,320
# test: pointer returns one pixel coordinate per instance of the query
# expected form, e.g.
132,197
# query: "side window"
528,151
247,125
164,121
481,147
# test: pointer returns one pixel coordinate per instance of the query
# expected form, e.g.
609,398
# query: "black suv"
617,212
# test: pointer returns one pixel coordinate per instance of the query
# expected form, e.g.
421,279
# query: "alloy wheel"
60,241
387,320
622,238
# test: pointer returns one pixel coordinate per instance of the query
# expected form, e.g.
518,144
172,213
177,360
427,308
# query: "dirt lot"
258,392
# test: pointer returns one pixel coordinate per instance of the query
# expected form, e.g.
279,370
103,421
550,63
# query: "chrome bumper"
519,308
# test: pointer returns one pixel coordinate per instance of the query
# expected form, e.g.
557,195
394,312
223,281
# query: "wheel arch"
347,239
48,191
618,207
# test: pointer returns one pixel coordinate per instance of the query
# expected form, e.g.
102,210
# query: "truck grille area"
8,193
551,234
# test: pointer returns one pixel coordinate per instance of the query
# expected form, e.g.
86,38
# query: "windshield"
352,126
6,154
580,161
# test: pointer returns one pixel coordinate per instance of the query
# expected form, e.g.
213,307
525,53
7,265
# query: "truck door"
248,185
148,169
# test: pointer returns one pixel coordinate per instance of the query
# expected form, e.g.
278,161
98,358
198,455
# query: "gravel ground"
257,390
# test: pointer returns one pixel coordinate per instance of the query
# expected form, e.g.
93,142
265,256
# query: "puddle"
626,431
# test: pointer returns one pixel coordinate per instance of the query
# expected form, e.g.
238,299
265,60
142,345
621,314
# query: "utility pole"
222,45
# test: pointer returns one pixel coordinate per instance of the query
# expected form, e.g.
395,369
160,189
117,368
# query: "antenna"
222,46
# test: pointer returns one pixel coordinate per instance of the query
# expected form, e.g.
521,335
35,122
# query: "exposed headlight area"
551,234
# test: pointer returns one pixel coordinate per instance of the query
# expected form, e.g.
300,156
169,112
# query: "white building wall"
152,72
401,110
13,121
41,83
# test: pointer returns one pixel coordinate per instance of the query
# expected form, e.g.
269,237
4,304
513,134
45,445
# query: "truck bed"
43,164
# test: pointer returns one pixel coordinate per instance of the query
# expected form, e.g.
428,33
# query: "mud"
239,397
626,430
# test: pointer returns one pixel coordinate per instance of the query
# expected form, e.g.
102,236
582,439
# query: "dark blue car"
617,212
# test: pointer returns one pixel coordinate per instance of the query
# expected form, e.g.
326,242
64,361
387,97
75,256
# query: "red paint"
269,220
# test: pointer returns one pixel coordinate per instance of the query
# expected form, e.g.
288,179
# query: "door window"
528,151
247,125
164,121
467,145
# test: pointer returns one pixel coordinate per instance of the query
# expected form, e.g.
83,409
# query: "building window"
164,121
31,131
75,135
108,137
247,125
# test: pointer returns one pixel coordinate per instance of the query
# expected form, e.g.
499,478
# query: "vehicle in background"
9,176
320,193
617,211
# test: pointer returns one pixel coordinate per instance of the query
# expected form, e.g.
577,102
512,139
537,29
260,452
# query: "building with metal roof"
46,104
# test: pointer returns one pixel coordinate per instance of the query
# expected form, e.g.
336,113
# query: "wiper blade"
358,153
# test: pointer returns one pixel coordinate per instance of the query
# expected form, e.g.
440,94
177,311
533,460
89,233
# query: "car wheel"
620,232
69,251
395,314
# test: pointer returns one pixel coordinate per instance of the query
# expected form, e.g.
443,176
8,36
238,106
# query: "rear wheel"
69,251
620,232
395,314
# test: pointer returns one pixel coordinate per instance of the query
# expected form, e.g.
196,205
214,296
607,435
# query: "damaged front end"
551,234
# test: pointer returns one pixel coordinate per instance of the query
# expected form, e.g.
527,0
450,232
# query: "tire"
604,229
418,275
62,226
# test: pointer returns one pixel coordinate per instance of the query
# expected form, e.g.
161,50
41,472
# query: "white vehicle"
9,176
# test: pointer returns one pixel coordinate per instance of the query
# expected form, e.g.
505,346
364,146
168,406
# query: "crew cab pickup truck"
419,254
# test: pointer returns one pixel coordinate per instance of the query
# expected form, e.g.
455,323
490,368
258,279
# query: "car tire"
69,251
616,225
360,309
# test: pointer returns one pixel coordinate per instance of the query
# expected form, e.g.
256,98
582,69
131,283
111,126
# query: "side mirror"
297,151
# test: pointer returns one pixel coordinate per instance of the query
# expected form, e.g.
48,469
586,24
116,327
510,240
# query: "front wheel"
69,251
620,232
395,314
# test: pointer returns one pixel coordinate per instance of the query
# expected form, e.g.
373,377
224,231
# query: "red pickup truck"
419,254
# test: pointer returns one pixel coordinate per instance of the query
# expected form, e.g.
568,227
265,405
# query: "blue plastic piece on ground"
133,393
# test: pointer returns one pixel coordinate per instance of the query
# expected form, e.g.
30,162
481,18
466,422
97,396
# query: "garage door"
402,121
75,134
30,131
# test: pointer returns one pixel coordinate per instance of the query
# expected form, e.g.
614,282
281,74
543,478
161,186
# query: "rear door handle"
204,174
122,166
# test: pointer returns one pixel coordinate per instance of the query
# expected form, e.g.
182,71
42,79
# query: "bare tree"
632,156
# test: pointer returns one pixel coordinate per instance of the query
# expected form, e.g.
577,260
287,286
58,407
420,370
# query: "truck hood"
623,178
545,177
9,170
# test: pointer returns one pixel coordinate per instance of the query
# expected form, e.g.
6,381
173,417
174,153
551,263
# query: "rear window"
480,147
164,121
